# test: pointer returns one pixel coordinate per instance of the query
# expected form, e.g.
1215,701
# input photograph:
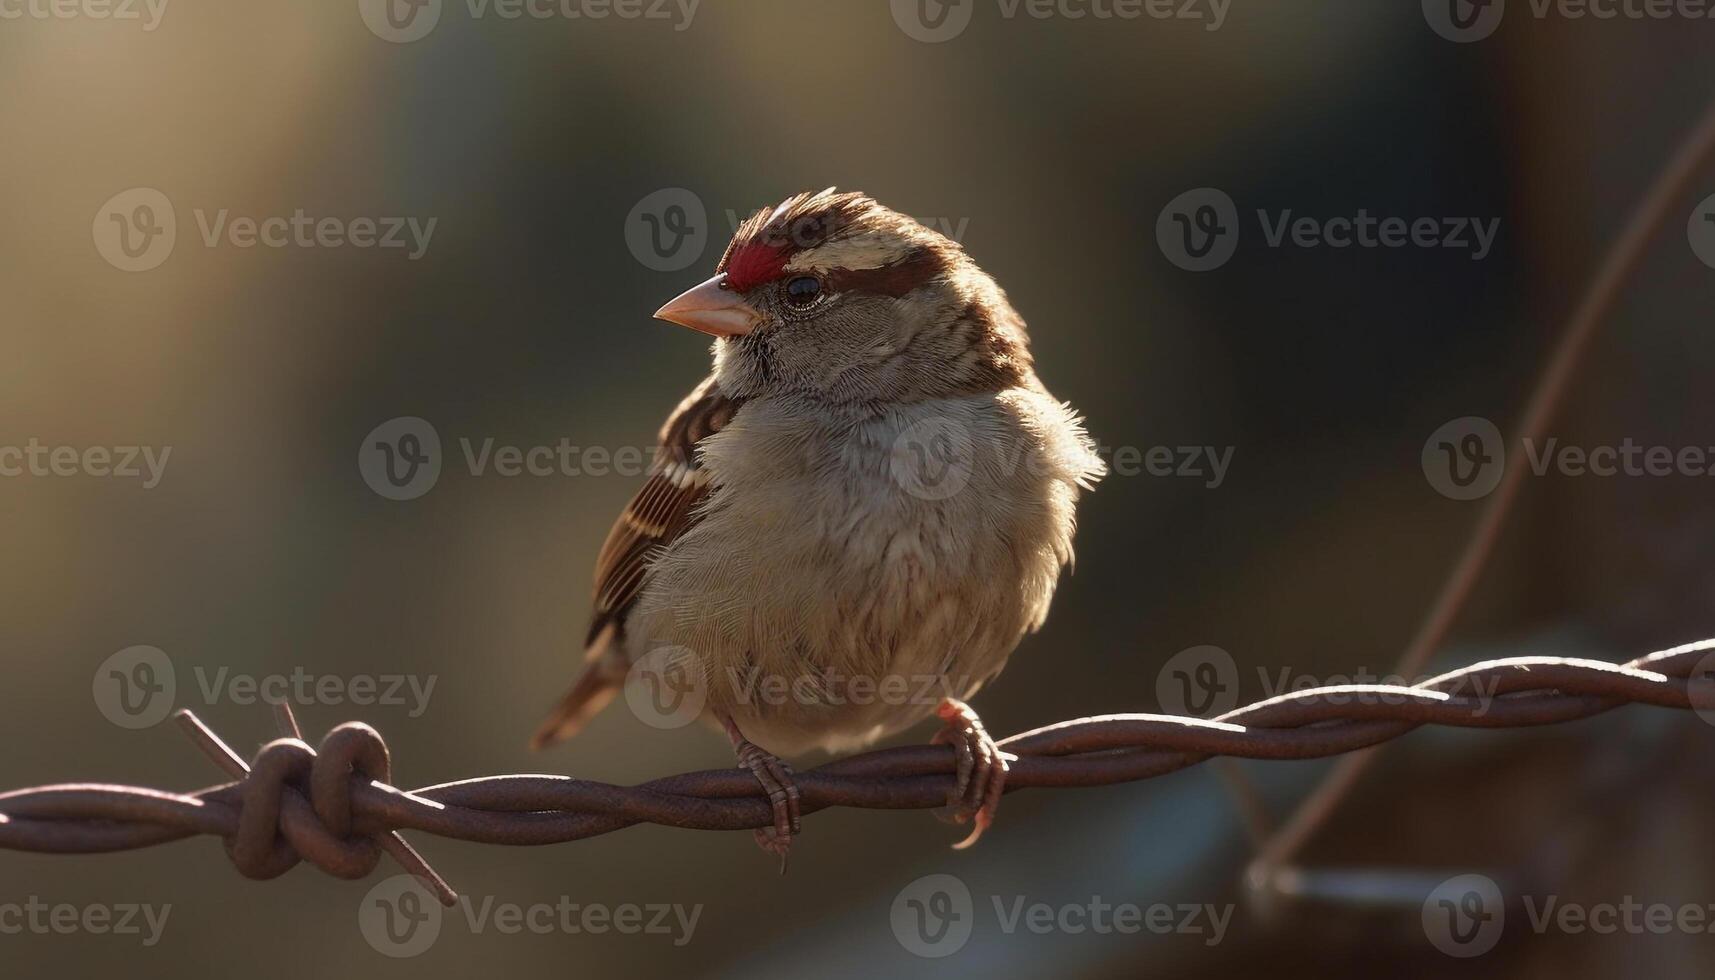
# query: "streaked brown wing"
662,509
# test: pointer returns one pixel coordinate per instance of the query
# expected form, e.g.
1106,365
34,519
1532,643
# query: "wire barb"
335,806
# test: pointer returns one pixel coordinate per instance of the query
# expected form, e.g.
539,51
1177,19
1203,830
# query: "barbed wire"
336,807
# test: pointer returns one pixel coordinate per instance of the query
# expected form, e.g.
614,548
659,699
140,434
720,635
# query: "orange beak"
711,308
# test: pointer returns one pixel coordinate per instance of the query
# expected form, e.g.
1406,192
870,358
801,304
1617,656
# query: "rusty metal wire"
336,808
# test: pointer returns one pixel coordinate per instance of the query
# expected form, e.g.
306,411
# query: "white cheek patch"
856,254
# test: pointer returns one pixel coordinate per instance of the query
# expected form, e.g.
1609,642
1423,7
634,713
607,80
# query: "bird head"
835,297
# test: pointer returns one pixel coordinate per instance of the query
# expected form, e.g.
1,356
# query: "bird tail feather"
603,674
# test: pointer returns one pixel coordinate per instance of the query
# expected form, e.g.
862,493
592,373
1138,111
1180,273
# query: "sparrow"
866,505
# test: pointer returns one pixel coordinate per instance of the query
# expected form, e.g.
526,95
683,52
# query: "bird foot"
777,781
982,769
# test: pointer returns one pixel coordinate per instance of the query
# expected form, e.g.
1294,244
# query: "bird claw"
982,769
777,781
771,842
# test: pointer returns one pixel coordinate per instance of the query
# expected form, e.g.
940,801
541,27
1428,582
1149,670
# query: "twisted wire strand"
335,807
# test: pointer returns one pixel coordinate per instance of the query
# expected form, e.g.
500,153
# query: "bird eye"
803,290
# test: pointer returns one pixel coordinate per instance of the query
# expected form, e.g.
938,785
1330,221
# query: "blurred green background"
1053,145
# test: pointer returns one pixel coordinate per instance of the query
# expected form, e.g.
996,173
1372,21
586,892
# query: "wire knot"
295,804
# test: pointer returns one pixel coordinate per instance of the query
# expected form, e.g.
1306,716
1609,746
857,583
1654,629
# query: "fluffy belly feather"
825,606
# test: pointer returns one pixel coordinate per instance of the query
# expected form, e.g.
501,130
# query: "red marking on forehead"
755,263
